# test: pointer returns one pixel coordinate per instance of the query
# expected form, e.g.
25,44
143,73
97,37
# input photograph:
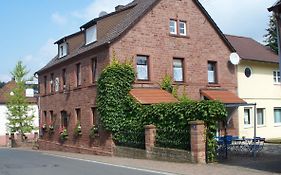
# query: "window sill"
261,126
179,83
277,125
248,127
214,85
178,35
143,82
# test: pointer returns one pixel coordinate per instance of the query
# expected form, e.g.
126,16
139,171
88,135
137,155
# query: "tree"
271,36
18,118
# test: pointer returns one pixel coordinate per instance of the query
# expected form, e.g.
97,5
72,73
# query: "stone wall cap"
197,122
150,126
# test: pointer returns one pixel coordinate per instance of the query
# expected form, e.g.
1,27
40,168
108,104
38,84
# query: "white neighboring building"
4,92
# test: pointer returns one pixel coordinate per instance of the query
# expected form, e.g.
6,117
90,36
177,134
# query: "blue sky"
29,28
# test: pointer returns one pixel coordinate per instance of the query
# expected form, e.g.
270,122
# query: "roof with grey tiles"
249,49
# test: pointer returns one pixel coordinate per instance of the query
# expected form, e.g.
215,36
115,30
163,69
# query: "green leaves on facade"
122,115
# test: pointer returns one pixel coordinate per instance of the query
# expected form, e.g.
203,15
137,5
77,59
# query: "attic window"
62,50
91,34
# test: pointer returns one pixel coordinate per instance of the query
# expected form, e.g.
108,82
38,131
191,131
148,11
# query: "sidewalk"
176,168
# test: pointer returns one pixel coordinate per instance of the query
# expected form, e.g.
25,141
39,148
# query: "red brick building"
162,37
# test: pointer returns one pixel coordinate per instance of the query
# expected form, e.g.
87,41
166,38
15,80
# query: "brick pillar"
7,140
12,140
198,141
150,138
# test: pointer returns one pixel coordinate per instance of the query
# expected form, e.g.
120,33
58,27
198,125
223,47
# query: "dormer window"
91,34
62,50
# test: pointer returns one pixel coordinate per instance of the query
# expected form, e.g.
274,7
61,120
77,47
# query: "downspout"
277,17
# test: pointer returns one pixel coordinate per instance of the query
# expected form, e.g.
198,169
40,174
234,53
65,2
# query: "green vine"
120,113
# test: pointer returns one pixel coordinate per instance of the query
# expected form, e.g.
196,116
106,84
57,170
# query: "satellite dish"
234,58
102,13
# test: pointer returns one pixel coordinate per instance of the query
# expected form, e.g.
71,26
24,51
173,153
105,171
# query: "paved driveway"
21,162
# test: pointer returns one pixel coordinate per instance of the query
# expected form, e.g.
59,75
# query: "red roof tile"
223,96
152,96
249,49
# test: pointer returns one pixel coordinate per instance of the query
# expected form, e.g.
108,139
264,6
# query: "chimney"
119,7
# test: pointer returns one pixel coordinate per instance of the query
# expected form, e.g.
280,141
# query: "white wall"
259,88
3,117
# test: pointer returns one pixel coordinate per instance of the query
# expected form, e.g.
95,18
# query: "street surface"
20,162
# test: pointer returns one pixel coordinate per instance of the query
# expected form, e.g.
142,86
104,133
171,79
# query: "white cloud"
93,10
240,17
59,19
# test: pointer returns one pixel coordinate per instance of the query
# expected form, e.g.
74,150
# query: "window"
78,74
178,69
94,70
212,72
64,119
260,116
142,67
45,84
182,28
91,34
247,116
52,83
95,116
173,26
276,77
277,115
248,72
45,117
62,50
78,114
52,117
57,84
64,78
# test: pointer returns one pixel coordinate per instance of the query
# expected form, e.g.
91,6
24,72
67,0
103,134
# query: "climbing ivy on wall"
120,112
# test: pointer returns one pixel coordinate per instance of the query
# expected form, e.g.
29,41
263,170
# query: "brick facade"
149,36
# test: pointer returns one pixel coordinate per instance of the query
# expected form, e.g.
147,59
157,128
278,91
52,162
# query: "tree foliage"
2,84
18,118
271,36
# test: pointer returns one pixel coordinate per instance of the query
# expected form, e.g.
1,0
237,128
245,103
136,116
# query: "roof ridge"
238,36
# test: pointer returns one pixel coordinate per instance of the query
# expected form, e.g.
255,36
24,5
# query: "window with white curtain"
178,69
91,34
142,67
247,116
277,115
173,26
260,116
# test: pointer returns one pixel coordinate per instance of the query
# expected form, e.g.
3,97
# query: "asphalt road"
20,162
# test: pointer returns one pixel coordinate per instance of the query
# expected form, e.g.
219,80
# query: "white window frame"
276,77
212,74
184,28
263,116
62,49
178,69
174,27
142,69
276,123
91,35
250,117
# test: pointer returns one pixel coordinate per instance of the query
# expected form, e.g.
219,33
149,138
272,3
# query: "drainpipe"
277,17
